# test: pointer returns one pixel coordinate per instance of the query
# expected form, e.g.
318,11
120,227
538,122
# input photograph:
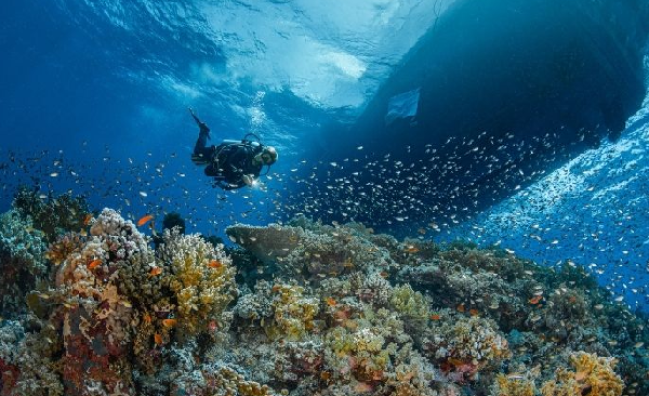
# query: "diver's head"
268,155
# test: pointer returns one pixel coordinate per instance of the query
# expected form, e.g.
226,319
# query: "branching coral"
295,361
377,355
513,385
593,375
201,278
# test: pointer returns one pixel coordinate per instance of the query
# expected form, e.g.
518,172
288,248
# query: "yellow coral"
409,303
201,278
293,313
592,373
513,385
230,383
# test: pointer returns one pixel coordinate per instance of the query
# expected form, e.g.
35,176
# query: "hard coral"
266,243
216,381
513,385
21,261
593,375
293,313
26,364
200,277
52,215
95,317
465,345
312,253
411,305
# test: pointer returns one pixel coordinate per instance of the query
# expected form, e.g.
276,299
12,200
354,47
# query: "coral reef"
26,363
172,220
310,254
314,310
22,261
52,215
462,346
513,385
593,375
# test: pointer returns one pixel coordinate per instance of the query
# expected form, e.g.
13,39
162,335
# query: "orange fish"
147,318
144,219
435,317
411,249
535,300
456,362
94,263
473,312
460,308
215,264
169,322
331,302
157,338
155,271
87,218
384,274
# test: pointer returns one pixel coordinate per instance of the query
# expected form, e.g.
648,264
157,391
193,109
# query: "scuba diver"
233,163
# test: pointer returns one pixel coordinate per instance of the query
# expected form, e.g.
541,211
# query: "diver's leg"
202,153
204,130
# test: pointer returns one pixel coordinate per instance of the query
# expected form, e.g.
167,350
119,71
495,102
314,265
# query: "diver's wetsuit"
229,161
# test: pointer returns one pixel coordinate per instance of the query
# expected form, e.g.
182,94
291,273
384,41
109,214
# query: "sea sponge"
593,374
200,277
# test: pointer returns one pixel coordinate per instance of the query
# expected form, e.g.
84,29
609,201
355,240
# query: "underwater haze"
459,204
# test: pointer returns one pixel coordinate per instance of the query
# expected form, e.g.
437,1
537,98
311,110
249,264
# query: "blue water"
94,94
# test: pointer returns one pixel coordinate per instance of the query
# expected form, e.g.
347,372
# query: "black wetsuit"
229,161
